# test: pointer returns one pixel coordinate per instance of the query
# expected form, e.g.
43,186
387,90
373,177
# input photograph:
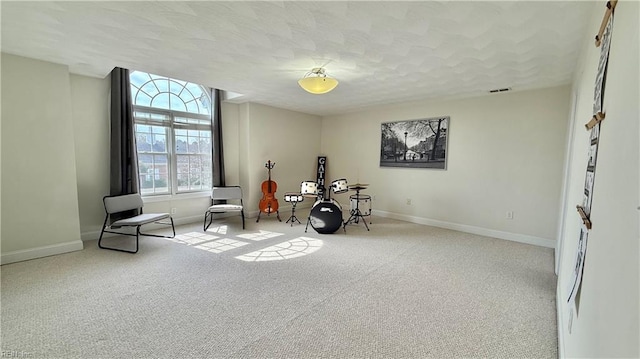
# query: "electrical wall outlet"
174,210
509,215
408,201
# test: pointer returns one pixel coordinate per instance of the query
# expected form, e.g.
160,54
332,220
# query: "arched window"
160,92
173,134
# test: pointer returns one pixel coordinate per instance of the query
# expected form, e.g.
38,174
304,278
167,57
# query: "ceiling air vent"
500,90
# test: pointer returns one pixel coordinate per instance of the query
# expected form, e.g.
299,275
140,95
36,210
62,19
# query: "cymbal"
359,185
356,188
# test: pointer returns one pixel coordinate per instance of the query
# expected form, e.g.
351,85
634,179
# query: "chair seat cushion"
225,208
140,219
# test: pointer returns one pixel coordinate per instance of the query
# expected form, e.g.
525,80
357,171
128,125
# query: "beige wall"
90,113
505,153
606,324
39,186
290,139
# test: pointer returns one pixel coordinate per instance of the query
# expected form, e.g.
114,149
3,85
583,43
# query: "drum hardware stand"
320,197
355,213
293,218
308,221
329,190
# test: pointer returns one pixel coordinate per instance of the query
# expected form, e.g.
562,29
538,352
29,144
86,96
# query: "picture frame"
420,143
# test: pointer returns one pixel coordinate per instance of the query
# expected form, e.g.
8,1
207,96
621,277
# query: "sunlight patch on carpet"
218,229
207,242
297,247
193,238
221,245
259,236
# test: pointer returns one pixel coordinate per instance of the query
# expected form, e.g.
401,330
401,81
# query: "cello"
269,204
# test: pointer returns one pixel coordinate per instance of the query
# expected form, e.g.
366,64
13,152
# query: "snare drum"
293,197
309,189
339,186
362,202
326,216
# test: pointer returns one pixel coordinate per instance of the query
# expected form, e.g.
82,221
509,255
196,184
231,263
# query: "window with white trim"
173,134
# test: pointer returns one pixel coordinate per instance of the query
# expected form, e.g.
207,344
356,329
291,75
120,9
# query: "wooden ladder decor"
597,118
611,5
585,218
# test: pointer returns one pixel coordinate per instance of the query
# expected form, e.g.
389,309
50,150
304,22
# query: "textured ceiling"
381,51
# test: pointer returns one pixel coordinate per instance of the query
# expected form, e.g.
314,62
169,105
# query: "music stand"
355,213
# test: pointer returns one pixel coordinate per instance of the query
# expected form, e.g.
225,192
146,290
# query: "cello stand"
269,211
355,213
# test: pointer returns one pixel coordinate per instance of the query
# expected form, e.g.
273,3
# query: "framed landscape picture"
418,143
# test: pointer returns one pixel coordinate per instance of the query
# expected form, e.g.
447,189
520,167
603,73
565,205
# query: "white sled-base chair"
129,202
230,194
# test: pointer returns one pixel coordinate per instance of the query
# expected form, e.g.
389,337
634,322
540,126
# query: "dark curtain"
124,159
217,158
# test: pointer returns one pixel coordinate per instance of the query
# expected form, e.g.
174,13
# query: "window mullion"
174,156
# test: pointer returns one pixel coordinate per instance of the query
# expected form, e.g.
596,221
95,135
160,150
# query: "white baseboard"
39,252
522,238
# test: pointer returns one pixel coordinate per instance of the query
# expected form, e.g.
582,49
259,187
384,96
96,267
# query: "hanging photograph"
591,169
588,193
578,269
415,143
593,148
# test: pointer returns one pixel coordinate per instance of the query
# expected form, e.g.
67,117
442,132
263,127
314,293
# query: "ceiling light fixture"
317,82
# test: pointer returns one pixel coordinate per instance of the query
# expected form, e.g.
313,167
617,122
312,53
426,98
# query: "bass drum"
326,216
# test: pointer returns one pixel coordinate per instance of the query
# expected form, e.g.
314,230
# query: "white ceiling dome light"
317,82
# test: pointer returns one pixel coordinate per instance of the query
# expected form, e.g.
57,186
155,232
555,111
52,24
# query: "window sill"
181,196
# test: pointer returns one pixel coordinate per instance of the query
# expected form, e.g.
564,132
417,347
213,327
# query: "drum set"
326,213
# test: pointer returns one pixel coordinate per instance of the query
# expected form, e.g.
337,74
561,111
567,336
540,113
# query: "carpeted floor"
401,290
